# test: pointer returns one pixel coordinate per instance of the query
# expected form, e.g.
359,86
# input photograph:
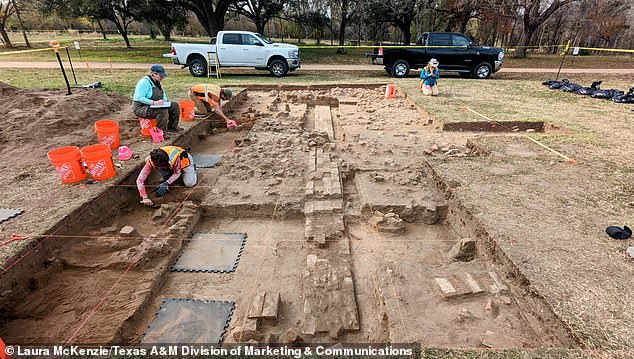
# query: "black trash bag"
549,82
570,87
557,84
590,90
606,94
618,232
616,93
623,99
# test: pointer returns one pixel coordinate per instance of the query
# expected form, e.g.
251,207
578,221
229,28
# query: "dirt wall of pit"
535,309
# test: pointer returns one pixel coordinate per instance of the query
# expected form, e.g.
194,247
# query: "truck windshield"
264,39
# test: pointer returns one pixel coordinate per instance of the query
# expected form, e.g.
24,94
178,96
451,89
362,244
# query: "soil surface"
260,190
36,122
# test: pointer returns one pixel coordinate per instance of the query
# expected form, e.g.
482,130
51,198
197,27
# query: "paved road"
308,67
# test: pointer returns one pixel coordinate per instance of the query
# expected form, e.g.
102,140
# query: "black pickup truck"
464,56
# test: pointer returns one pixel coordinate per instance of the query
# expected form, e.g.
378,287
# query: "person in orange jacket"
207,99
173,162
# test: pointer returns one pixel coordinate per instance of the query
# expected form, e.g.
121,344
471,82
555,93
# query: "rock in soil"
463,251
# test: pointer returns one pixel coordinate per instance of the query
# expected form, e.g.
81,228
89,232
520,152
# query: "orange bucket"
67,163
146,125
108,133
99,161
390,91
187,110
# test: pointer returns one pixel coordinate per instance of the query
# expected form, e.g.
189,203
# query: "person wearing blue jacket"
429,78
149,96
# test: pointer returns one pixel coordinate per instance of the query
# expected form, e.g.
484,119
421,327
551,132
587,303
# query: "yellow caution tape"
566,49
609,50
27,51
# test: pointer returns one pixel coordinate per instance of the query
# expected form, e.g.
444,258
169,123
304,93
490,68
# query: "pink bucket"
125,153
157,134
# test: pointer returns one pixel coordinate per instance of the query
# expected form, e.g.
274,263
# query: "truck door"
464,55
230,49
253,51
441,53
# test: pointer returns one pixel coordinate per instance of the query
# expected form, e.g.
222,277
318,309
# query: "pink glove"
231,124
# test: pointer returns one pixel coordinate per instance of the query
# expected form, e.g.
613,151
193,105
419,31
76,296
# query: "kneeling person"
207,99
173,162
429,78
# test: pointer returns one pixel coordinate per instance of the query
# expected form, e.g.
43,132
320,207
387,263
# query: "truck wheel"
482,71
400,68
278,68
198,67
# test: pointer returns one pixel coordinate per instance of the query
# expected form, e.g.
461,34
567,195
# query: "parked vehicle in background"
455,52
237,49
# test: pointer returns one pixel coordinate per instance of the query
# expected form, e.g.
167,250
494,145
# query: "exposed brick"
445,285
255,311
472,283
498,283
128,231
271,306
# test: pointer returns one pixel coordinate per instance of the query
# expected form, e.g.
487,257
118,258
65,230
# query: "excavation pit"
305,181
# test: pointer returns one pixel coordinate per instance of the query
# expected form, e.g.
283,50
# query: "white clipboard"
164,105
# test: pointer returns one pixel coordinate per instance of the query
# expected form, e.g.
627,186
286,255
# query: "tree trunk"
5,37
122,31
211,21
17,15
342,30
300,33
407,33
510,38
529,30
259,26
152,32
166,31
463,23
103,32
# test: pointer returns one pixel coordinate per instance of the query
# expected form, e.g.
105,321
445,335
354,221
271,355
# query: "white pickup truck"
237,49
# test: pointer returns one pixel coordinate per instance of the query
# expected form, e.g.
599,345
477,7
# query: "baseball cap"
159,69
227,92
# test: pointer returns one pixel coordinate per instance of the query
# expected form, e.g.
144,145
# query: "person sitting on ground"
173,162
429,78
207,99
148,94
